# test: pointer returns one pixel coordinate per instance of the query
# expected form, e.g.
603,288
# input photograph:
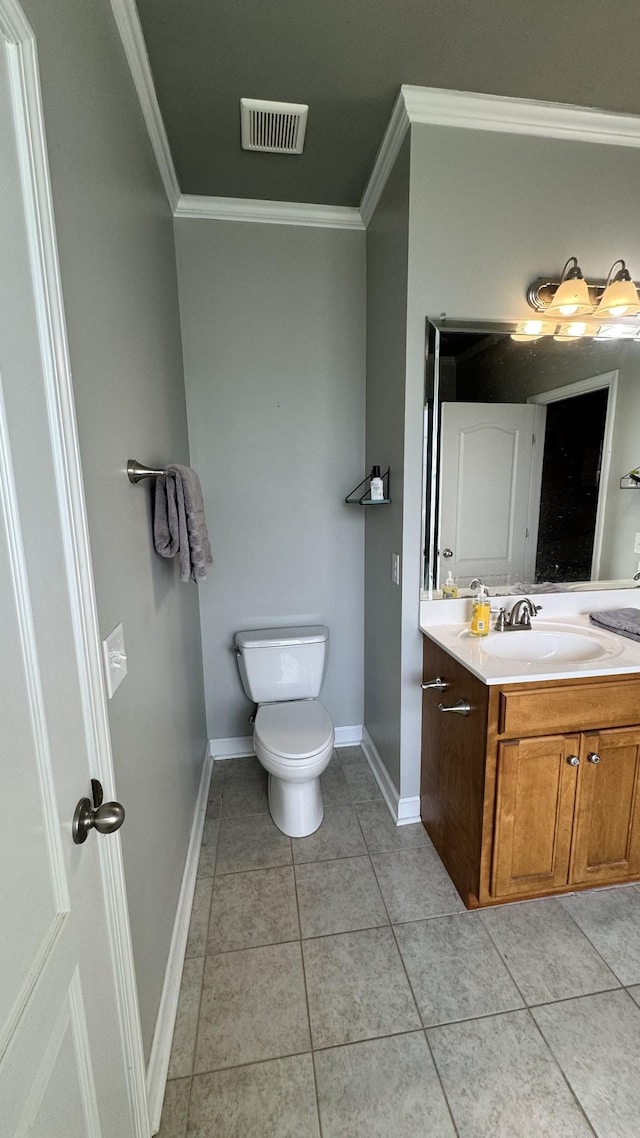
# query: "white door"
489,491
70,1056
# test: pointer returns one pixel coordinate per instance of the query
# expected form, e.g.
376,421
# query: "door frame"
26,94
608,380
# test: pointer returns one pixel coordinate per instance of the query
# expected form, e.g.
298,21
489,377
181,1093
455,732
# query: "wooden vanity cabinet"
536,791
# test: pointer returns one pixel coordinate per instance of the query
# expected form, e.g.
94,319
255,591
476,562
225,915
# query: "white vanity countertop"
447,623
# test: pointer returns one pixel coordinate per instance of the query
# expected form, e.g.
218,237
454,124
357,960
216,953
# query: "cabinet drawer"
576,707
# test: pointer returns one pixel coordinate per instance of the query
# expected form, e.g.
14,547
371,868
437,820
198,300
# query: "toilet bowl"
293,737
294,743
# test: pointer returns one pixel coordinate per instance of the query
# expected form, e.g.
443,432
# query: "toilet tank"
278,664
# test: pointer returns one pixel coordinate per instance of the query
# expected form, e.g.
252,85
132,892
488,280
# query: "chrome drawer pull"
438,685
573,761
462,707
593,758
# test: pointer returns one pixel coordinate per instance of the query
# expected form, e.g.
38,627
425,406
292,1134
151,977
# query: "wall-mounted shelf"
631,481
364,499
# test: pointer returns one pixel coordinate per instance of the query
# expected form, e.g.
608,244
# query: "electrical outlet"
395,568
636,544
115,659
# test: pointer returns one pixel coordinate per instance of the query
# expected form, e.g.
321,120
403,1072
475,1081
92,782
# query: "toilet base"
296,807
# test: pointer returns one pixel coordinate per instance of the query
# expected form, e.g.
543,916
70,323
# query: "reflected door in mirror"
489,491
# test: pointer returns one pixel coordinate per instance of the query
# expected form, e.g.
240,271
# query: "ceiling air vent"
278,128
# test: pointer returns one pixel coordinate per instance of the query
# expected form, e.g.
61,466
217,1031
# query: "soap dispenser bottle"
480,611
449,589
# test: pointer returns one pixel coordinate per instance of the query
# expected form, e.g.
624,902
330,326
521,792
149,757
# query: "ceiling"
347,60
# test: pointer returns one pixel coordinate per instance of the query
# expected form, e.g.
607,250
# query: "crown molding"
128,24
269,212
392,140
466,109
435,106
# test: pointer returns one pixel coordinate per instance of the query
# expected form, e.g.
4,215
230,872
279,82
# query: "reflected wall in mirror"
525,446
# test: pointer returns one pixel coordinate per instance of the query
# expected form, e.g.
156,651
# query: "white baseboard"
349,736
231,748
165,1023
402,810
241,745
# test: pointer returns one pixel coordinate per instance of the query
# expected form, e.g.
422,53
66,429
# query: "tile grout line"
495,946
306,999
442,1087
424,1030
204,965
553,1055
586,935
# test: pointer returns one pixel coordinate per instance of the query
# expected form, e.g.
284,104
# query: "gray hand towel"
179,525
626,622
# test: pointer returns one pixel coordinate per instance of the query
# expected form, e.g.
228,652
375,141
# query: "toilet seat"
295,730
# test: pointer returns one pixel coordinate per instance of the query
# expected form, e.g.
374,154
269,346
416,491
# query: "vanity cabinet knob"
573,761
462,707
593,757
436,685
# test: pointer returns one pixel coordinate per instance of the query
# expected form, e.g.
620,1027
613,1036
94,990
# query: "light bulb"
571,332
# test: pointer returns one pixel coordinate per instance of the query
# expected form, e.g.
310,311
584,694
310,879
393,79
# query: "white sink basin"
533,645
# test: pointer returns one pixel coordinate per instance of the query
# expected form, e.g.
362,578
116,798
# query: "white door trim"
608,380
41,233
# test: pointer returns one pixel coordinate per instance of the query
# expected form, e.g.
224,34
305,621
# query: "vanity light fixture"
605,309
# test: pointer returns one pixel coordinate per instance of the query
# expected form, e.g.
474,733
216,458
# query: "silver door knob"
447,553
593,758
573,761
462,707
105,817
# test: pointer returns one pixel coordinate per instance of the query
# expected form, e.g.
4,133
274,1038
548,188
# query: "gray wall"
489,212
118,273
387,267
273,333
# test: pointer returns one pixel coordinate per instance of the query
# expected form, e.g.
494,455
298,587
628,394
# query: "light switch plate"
395,568
115,659
636,544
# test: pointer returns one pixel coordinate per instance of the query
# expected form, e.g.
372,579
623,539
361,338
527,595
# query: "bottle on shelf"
377,485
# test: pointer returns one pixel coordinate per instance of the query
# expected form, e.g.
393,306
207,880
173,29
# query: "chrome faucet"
520,615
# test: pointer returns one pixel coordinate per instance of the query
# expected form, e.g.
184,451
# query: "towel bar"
136,471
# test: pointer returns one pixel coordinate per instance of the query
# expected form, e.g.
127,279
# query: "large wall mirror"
525,447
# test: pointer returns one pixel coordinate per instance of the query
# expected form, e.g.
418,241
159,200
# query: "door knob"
105,817
593,758
447,553
573,761
462,707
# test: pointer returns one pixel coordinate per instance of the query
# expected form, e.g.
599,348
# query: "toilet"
282,670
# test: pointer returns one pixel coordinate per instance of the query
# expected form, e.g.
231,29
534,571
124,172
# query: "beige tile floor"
335,987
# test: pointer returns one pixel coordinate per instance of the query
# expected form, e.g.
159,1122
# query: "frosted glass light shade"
620,298
571,298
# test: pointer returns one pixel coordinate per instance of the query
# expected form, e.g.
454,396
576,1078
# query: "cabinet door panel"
606,841
534,815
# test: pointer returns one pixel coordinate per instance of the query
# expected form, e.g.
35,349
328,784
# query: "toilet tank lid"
273,637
